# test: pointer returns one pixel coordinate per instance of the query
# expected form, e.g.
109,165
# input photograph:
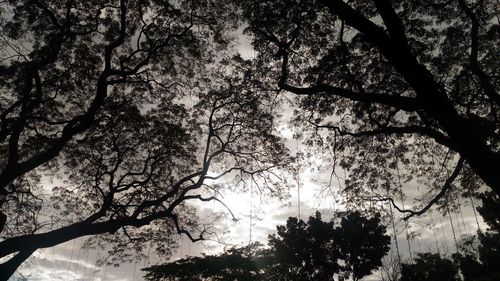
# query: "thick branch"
8,268
391,21
400,102
473,58
389,130
468,136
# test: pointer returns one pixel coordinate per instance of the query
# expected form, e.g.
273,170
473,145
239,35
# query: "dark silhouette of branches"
132,110
389,90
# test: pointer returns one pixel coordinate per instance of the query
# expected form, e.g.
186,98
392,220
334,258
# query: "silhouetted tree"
362,243
305,250
315,250
400,91
490,210
245,263
489,241
479,256
131,110
479,261
489,254
429,266
466,258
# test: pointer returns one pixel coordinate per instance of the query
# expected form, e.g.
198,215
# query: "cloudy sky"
69,261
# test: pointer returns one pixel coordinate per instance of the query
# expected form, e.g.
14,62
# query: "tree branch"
446,187
410,129
404,103
484,80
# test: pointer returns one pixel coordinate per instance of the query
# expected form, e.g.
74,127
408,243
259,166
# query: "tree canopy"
490,210
130,110
312,250
401,93
245,263
430,267
116,115
478,257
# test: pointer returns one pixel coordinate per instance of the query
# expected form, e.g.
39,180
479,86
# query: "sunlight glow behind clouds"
68,262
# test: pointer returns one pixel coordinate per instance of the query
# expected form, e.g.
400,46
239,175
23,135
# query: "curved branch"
447,186
211,198
181,230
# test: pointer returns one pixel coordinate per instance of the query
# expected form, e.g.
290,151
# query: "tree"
428,266
490,210
478,257
489,241
315,250
362,243
245,263
407,91
305,250
126,109
489,254
466,259
391,268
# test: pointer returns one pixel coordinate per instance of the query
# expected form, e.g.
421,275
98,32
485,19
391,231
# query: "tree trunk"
468,136
8,268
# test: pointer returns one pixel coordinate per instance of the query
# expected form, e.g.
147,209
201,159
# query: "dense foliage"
400,94
477,260
478,257
312,250
116,115
430,267
130,110
245,263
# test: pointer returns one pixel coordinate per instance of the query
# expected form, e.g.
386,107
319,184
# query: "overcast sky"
69,261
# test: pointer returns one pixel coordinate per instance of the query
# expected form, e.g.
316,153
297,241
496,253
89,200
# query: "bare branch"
446,187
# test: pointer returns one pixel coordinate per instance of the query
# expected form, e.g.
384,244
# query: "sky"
69,261
257,219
